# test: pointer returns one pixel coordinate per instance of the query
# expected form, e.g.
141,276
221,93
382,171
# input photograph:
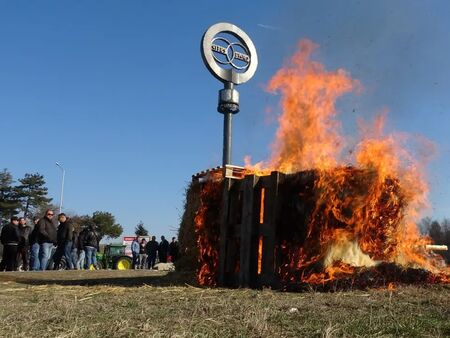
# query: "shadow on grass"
166,279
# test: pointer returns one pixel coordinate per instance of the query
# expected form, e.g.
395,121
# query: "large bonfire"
369,195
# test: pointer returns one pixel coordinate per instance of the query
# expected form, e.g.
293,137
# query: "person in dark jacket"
10,238
63,242
34,247
173,250
81,261
91,241
24,243
75,245
163,250
46,237
151,248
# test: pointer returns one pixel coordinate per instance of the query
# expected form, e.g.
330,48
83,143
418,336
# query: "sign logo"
228,53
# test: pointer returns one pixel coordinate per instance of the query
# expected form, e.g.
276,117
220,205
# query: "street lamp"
62,186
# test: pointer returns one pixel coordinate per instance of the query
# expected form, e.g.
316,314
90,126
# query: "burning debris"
303,218
282,231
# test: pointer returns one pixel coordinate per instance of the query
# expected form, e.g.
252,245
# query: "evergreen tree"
9,199
140,230
32,192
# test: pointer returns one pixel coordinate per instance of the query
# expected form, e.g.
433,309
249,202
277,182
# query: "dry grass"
99,304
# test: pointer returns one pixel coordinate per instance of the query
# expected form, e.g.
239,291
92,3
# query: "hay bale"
186,233
199,229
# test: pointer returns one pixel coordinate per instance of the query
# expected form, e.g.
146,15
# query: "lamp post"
62,186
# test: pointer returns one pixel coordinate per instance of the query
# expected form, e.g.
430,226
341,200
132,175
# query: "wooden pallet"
248,231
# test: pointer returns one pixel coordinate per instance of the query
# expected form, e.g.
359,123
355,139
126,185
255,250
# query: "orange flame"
260,254
308,134
261,206
364,215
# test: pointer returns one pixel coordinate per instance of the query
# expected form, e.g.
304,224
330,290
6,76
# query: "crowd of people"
44,246
145,254
34,249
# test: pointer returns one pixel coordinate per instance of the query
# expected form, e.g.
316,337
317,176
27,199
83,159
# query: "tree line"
28,196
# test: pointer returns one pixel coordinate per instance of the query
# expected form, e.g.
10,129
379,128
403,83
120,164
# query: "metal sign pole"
233,63
227,135
230,56
228,105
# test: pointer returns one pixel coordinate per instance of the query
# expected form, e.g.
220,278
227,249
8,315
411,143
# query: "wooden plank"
261,228
229,260
256,233
232,259
227,183
270,229
247,230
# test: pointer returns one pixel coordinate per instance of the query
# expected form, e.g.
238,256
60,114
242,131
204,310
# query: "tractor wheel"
123,263
100,265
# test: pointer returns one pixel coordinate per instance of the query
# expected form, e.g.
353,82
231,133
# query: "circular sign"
230,58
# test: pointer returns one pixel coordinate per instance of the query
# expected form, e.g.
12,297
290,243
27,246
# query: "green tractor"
114,257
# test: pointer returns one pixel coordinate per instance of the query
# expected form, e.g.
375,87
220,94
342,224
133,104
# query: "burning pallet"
280,230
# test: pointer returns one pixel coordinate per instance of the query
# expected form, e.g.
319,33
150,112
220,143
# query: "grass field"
152,304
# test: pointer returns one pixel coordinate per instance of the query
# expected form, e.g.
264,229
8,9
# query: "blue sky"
118,93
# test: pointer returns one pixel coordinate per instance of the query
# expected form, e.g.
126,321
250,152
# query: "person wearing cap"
10,238
46,237
24,243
